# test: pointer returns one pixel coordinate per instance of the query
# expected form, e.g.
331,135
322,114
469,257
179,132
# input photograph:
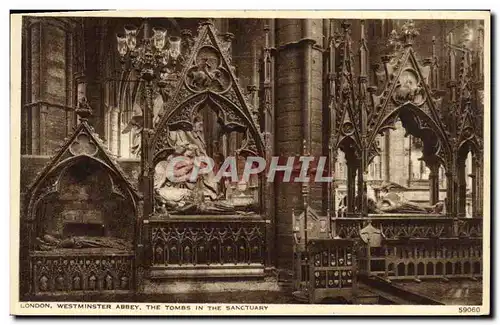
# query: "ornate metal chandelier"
154,57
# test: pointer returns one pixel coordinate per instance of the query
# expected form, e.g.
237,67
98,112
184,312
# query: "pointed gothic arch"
228,114
406,90
49,182
469,159
417,123
82,150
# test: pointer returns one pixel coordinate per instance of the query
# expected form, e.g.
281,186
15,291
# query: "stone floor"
463,292
249,297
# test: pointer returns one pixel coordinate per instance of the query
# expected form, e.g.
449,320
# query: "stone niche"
86,204
83,232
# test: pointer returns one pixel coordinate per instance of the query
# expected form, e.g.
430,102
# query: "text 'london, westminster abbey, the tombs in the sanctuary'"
394,109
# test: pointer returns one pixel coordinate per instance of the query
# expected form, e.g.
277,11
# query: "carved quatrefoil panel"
348,128
208,73
83,145
409,88
468,133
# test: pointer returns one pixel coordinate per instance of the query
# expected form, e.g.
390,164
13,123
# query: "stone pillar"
222,25
114,134
248,43
378,31
462,189
94,70
387,156
313,97
351,187
479,172
451,199
288,131
434,183
473,176
48,83
299,111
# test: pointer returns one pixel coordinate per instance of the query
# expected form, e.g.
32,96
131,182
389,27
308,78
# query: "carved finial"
207,21
394,39
304,147
362,29
433,47
363,59
466,37
186,33
408,33
83,109
451,64
187,40
227,39
346,26
266,36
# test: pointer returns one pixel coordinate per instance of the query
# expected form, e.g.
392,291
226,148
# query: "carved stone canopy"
81,147
208,77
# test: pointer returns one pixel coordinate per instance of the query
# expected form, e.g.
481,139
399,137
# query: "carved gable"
83,143
406,89
467,113
208,77
348,117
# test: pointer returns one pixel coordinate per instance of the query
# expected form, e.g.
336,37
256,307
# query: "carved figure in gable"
208,73
409,88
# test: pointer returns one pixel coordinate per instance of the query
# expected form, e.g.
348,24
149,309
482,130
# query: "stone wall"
47,83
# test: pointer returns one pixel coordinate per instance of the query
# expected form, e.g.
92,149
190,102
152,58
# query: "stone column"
288,131
479,165
473,176
387,156
462,189
47,83
451,199
249,38
434,183
95,53
313,97
299,112
114,136
32,81
351,187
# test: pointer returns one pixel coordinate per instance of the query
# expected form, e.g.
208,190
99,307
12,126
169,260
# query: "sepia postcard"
250,163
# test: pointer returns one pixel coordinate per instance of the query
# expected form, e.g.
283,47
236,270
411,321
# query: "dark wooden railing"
398,226
418,246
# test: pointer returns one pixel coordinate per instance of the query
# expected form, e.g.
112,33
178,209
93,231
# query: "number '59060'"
469,309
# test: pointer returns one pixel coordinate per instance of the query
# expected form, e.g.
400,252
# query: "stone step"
195,286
